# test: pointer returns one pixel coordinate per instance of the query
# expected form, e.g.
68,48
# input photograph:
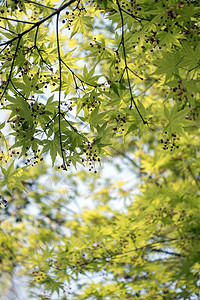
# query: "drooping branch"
11,69
59,93
126,65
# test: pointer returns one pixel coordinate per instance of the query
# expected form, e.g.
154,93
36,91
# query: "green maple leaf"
53,146
176,119
14,177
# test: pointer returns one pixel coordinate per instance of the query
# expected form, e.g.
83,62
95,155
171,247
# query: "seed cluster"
45,79
180,92
38,275
71,16
91,155
91,103
16,5
117,68
20,125
120,123
6,56
168,212
37,80
37,109
33,157
193,115
97,45
167,24
67,106
4,155
170,142
67,165
35,12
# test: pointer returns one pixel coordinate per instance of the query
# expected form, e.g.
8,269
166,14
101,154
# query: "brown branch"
47,124
167,252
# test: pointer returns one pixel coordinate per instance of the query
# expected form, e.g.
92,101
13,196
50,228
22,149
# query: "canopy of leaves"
100,84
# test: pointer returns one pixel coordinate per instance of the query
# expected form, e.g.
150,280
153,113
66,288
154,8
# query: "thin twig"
167,252
47,124
3,49
134,16
18,91
74,129
8,30
16,20
135,74
74,74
